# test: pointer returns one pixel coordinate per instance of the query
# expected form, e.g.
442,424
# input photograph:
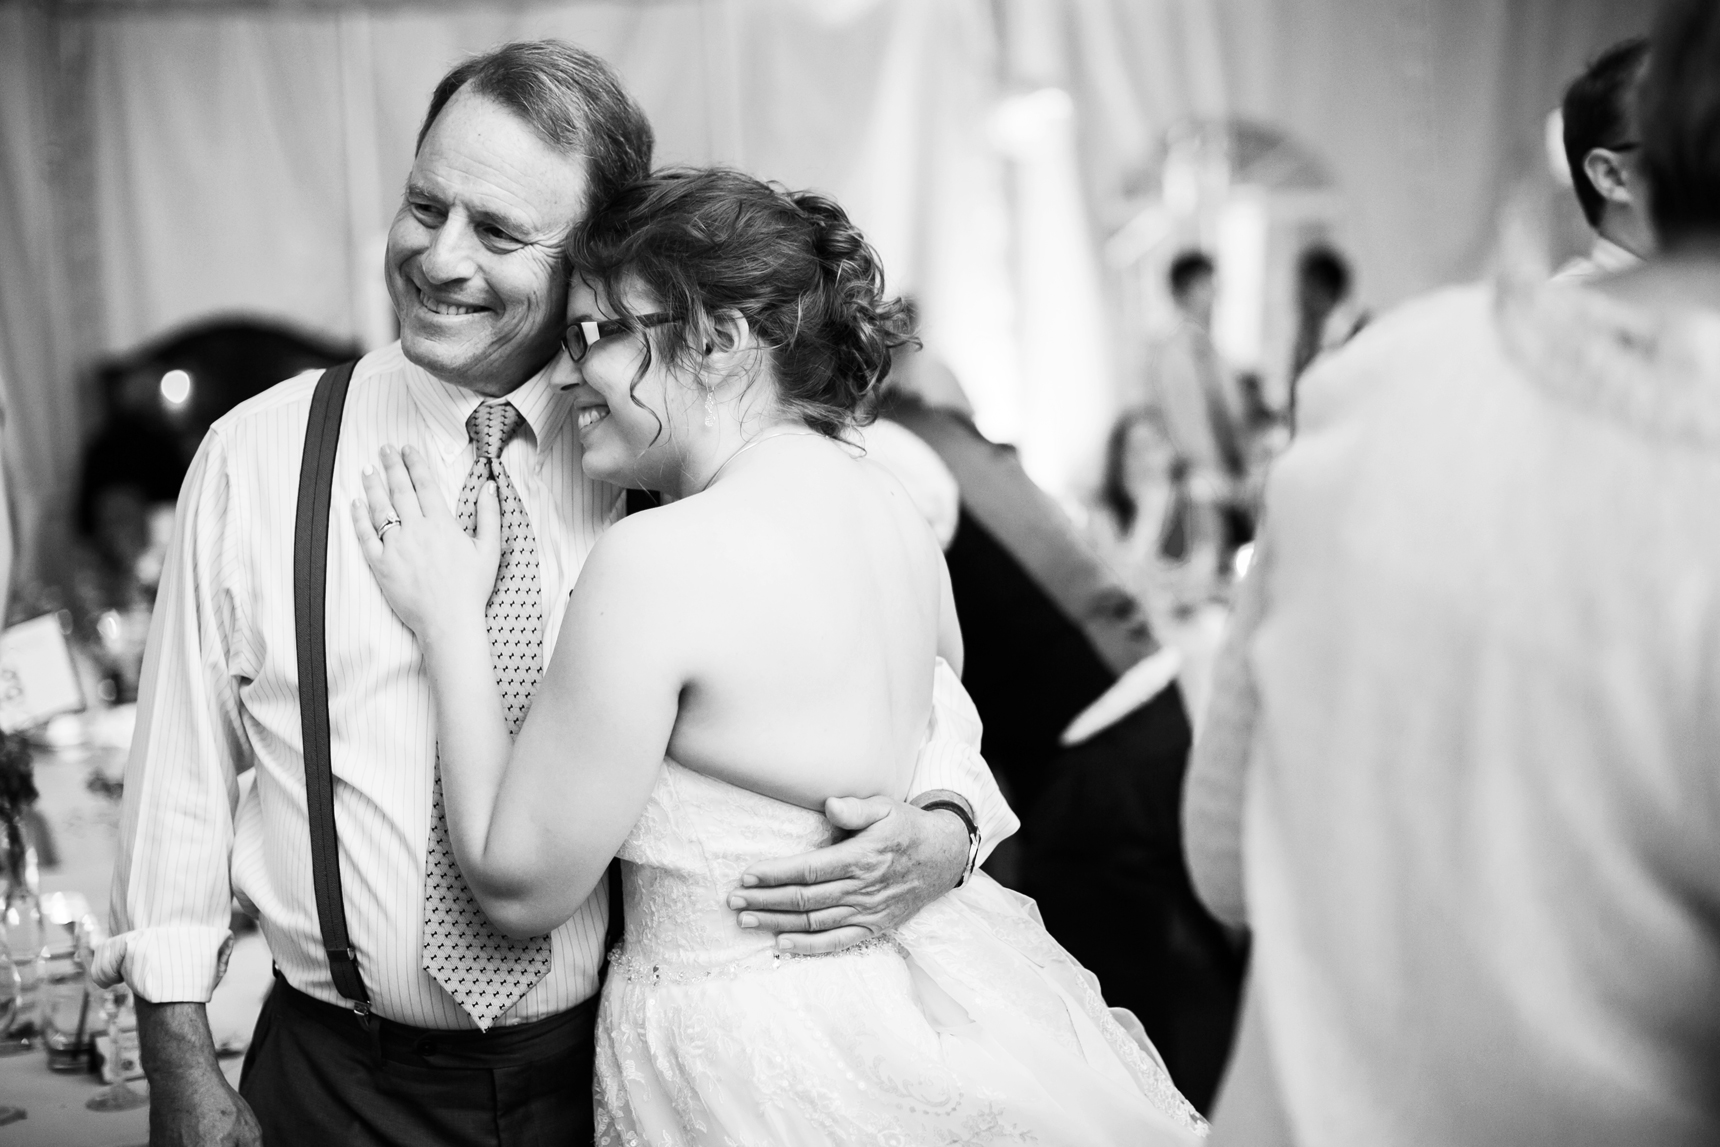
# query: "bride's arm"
534,820
589,753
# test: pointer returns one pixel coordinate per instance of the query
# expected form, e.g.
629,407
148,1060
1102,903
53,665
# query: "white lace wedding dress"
968,1025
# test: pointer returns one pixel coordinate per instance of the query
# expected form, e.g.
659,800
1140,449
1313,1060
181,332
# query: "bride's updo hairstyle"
713,242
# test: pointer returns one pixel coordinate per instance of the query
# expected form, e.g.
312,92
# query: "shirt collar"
541,400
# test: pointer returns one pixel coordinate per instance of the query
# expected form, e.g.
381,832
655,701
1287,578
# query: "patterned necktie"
485,971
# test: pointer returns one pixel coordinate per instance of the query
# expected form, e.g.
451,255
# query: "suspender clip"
372,1028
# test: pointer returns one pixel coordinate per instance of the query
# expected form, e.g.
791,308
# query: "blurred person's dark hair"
1114,492
1118,500
1597,113
1680,112
1320,268
1322,284
1187,269
570,98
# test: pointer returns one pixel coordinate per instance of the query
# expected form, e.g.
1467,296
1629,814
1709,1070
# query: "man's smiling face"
474,256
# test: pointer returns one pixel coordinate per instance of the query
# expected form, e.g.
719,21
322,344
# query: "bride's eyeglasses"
579,336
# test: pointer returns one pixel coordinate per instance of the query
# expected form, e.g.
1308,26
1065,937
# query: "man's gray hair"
572,100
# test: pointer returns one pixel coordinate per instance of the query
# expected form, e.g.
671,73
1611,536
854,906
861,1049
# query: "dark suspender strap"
310,583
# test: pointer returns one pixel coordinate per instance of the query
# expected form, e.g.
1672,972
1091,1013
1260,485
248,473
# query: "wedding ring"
387,525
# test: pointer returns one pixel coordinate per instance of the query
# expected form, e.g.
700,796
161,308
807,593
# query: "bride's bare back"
806,626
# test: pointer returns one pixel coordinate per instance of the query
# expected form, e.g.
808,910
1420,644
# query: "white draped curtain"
43,339
252,161
1428,112
161,162
247,159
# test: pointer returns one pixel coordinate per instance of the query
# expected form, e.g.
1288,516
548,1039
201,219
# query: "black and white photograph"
893,573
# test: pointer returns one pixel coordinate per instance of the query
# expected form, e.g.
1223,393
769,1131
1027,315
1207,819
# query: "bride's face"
634,427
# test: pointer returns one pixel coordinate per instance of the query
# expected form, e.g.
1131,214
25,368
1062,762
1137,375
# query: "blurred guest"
1084,725
1203,408
1147,525
1164,543
1602,144
130,480
1469,708
1326,316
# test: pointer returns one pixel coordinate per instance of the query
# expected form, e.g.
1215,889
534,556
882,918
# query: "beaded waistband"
642,971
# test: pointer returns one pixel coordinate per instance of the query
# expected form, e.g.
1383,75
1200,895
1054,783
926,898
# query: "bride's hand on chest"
430,571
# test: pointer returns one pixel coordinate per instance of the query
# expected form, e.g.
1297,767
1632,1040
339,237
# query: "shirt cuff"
950,759
168,965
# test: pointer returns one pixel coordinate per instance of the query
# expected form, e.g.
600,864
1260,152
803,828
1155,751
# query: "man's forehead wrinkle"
534,190
475,187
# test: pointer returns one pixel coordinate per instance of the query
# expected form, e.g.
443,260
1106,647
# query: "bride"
769,638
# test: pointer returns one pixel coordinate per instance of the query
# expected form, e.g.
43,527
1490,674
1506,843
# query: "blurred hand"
899,859
429,570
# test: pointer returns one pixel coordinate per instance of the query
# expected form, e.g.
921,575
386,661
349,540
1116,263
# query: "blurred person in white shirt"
1458,771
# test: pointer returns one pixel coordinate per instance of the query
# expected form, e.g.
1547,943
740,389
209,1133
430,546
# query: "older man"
465,1037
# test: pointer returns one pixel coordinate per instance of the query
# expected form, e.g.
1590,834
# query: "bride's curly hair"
713,241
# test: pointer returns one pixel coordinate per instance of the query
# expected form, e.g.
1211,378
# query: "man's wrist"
175,1041
931,796
943,800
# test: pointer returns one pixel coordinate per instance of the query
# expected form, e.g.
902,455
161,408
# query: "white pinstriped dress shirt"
220,695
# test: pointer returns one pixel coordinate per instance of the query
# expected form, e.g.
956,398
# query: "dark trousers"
316,1078
1104,859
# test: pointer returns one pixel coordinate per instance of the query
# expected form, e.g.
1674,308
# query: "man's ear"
1606,171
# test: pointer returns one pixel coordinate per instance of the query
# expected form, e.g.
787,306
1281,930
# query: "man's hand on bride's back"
899,859
429,570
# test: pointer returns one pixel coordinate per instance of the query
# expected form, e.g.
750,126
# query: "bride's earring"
710,406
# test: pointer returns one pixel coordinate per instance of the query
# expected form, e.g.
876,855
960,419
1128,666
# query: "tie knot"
491,426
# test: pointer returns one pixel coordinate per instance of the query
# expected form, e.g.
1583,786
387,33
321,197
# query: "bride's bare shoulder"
657,548
634,553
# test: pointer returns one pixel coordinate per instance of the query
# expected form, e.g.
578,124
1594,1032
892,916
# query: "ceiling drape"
160,162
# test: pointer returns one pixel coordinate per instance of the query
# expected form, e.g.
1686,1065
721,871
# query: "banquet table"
79,802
